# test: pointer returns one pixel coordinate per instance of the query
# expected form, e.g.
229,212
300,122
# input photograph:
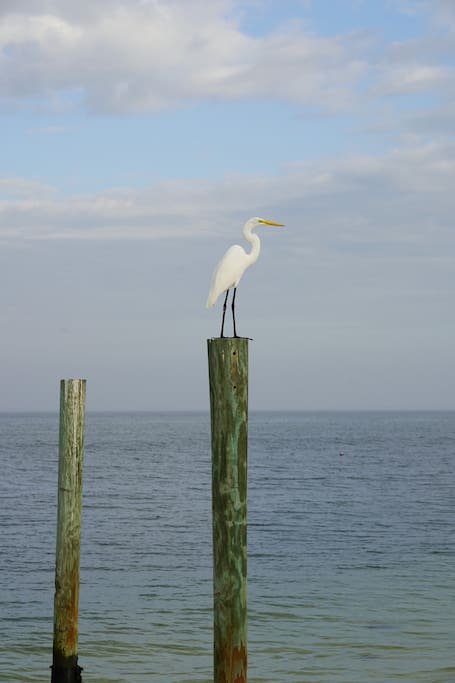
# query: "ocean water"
351,557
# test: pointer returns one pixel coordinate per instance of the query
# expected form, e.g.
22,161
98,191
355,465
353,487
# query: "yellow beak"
279,225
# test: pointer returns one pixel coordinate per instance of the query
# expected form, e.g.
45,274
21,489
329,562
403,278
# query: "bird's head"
254,222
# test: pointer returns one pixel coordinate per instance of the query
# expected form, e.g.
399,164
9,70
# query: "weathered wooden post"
65,668
228,376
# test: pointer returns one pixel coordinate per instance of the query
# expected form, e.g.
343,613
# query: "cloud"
147,56
399,203
113,56
412,86
18,187
438,122
406,79
444,13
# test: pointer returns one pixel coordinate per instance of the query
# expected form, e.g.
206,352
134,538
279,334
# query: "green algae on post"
228,377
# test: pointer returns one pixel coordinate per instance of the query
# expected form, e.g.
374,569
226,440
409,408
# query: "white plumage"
230,269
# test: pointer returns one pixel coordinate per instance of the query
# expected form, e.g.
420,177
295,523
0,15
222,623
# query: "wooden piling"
65,668
228,377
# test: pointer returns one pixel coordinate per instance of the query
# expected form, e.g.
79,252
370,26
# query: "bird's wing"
227,273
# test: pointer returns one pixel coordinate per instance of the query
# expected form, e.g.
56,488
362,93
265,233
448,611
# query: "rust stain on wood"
232,667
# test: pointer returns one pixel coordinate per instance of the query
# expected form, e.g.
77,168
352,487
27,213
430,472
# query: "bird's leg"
224,313
233,311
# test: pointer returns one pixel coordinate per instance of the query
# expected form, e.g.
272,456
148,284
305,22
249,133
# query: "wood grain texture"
228,376
67,563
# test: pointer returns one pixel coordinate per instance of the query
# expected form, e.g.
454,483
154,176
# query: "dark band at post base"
68,672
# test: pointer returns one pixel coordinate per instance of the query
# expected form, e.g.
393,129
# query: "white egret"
232,266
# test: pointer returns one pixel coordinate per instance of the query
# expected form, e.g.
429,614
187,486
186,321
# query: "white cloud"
19,187
412,78
438,122
144,56
147,56
402,200
444,13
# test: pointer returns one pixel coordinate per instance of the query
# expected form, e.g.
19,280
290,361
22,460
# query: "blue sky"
136,139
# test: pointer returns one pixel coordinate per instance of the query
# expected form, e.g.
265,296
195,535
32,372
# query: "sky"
137,137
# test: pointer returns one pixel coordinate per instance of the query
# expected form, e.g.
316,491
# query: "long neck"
255,245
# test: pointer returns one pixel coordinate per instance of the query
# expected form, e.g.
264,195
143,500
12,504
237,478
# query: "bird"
230,269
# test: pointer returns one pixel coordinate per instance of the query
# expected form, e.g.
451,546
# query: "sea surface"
351,548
